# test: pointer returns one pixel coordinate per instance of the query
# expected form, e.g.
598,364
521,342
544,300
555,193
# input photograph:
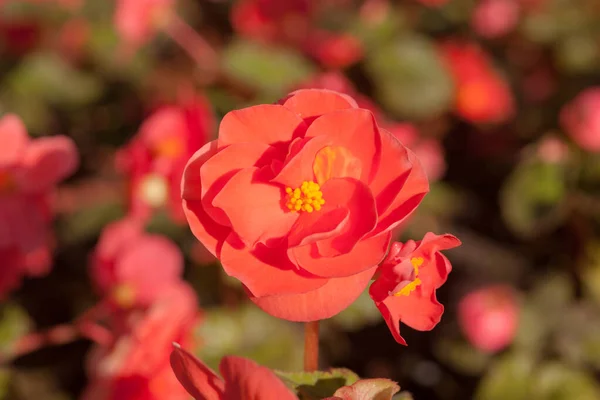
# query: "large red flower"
154,160
298,200
29,171
405,289
242,379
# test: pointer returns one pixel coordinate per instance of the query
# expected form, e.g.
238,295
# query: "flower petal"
211,234
245,379
14,139
312,103
267,123
197,379
265,271
254,207
357,132
298,166
435,272
365,255
47,161
324,302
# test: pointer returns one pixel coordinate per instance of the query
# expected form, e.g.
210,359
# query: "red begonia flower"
29,171
154,160
581,119
482,94
136,21
136,366
242,379
132,268
404,290
298,199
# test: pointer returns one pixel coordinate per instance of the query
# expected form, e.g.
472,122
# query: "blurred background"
500,99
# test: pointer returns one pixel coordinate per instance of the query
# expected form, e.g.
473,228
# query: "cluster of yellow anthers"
406,290
308,197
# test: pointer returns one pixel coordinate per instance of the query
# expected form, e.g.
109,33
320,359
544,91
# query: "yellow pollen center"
169,148
408,289
308,197
124,295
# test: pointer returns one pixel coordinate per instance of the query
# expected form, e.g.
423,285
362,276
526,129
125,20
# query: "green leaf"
556,381
271,70
369,389
410,78
14,323
360,313
87,223
318,384
509,378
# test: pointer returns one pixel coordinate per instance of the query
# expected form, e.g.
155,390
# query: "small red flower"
495,18
581,119
242,379
29,171
405,289
132,268
136,366
489,317
137,21
298,200
482,95
154,160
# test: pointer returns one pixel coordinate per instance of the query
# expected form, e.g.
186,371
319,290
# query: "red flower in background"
495,18
581,119
291,23
482,95
298,200
137,21
404,290
154,160
136,365
29,171
131,268
242,379
489,317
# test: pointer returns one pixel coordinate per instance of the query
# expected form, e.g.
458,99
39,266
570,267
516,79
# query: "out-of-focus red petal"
47,161
365,255
14,139
269,124
312,103
356,131
255,208
265,271
210,233
356,197
199,380
415,188
324,302
245,379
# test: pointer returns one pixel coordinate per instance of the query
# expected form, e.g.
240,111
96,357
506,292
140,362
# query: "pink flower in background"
132,268
29,172
495,18
489,317
242,379
137,21
428,150
155,158
292,23
581,119
136,365
405,288
482,95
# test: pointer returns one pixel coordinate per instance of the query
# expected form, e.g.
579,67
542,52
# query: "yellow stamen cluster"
406,290
308,197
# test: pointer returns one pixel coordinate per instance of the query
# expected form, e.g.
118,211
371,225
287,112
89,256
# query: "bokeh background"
500,99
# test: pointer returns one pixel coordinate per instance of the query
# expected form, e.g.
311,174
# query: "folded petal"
14,139
265,271
436,266
245,379
357,132
298,165
312,103
270,124
356,197
406,201
47,161
210,233
365,255
255,208
324,302
197,379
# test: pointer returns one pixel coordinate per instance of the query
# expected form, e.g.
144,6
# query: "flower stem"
311,346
